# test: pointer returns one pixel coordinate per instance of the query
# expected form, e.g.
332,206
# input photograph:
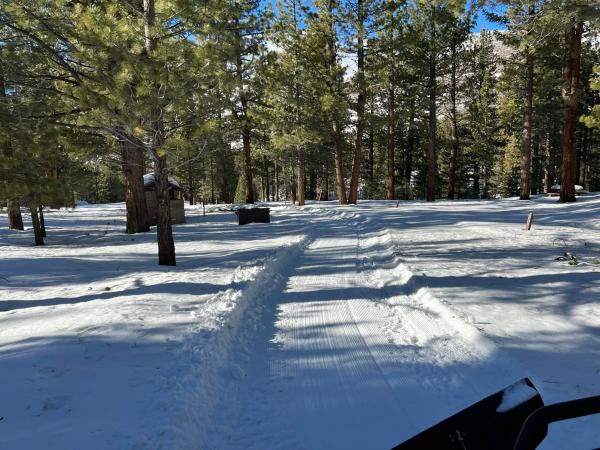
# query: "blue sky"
481,23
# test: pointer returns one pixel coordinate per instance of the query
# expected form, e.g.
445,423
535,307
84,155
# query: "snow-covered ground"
331,327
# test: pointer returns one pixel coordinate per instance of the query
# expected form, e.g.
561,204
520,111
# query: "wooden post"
529,221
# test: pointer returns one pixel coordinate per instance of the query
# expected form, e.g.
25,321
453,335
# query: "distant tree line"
322,99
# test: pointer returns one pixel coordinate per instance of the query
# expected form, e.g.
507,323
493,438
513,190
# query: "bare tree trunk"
476,179
164,231
570,95
587,162
371,151
276,182
245,123
35,223
431,150
391,145
15,220
267,181
339,167
527,125
323,194
191,184
548,163
42,220
301,181
293,184
132,161
333,84
454,128
247,161
212,179
410,144
360,106
581,145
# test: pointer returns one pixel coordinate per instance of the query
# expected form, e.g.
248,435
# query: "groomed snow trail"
350,353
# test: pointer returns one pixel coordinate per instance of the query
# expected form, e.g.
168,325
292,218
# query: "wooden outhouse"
175,200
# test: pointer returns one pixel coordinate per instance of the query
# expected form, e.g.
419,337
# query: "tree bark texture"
301,181
42,220
333,83
431,149
339,167
164,231
360,106
132,161
410,144
15,220
453,127
247,161
37,227
570,95
391,145
525,187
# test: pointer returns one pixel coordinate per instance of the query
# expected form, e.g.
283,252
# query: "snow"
516,395
149,181
330,327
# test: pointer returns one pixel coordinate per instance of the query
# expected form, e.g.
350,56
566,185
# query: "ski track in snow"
351,327
348,350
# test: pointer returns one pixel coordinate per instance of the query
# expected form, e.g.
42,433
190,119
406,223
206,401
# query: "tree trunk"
276,182
132,160
323,190
42,220
453,127
212,180
245,123
293,184
431,150
35,223
527,125
371,152
586,167
312,182
476,177
15,220
339,167
333,84
410,144
301,181
164,231
360,106
391,145
191,184
247,162
581,144
267,181
548,162
570,95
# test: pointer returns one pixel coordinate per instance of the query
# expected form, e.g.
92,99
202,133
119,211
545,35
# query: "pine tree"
435,20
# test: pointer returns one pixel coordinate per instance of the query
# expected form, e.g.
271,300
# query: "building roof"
149,183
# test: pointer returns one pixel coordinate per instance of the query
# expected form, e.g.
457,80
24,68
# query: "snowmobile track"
349,352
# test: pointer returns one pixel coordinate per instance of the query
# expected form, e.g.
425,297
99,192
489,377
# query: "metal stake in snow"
529,221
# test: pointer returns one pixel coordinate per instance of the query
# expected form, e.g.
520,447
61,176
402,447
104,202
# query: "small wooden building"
175,200
555,190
